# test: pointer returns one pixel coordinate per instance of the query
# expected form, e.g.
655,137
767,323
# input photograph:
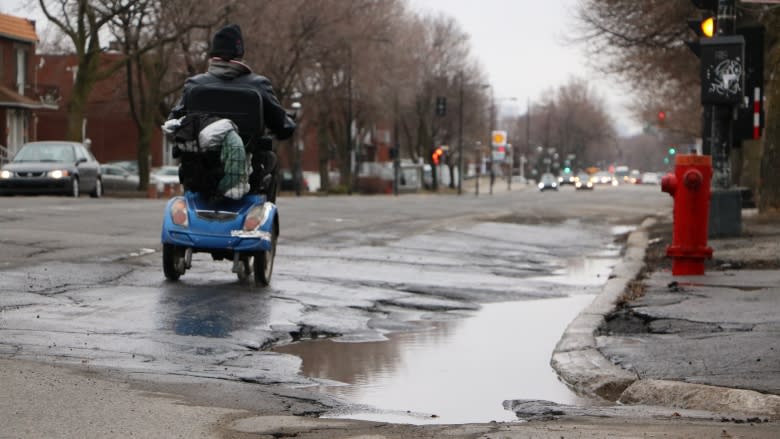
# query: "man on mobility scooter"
228,166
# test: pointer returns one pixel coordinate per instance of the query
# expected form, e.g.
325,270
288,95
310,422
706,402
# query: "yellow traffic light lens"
708,27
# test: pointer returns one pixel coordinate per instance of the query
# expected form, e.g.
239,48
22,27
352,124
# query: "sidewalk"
500,185
707,342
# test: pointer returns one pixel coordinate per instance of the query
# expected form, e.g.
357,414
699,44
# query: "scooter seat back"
243,105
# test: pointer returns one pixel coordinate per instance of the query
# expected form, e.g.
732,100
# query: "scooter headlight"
179,212
257,215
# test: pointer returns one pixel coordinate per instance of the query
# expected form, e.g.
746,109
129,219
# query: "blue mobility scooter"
245,230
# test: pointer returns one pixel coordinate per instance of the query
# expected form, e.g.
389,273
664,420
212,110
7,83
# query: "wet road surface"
87,288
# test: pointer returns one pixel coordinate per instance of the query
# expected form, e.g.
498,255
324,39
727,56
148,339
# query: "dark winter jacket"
236,72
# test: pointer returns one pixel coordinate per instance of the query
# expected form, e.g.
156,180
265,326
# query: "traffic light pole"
725,218
722,116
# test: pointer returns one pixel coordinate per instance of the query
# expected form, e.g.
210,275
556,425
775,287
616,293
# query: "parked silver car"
118,179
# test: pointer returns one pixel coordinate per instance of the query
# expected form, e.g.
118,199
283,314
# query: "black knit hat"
228,43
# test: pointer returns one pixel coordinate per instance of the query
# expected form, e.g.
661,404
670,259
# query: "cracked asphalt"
83,289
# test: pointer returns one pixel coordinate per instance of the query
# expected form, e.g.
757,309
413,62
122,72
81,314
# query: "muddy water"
458,370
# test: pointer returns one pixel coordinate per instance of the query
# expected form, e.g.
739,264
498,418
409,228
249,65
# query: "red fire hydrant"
690,188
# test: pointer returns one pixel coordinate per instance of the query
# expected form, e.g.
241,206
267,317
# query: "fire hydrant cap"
693,179
669,184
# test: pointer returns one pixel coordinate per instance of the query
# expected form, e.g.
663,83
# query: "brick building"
108,123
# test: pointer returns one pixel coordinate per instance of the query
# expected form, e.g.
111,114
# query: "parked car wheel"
75,190
98,192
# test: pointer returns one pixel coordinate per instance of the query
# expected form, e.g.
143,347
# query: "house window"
21,70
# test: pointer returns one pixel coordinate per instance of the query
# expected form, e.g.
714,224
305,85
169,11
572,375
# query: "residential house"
21,101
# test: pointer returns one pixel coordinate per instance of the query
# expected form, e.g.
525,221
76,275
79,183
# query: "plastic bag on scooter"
223,134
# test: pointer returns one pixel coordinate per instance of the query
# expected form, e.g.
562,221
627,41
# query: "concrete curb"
575,358
582,367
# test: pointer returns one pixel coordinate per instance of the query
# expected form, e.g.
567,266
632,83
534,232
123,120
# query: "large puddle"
458,370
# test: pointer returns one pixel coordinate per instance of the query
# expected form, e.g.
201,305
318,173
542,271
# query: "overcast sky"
521,45
519,42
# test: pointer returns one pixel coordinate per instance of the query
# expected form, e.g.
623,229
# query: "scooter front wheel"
263,263
173,257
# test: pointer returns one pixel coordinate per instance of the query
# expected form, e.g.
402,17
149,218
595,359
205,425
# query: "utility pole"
350,148
397,148
460,136
527,131
492,171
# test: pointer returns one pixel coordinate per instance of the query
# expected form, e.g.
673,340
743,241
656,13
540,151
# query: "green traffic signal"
666,160
672,151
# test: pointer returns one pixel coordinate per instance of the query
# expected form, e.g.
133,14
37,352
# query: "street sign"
722,70
498,138
498,145
499,153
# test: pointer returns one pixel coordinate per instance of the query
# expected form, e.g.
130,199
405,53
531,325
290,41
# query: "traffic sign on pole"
498,145
498,138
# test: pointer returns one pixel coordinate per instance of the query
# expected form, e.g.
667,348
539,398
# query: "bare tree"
82,22
574,121
149,36
769,189
642,42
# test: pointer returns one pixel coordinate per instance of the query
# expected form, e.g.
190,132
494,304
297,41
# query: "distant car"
130,166
583,182
635,177
548,182
164,175
566,178
604,177
117,178
650,178
287,182
52,167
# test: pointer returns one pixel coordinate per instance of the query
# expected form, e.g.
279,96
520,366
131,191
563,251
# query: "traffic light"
672,150
722,58
436,155
441,106
661,117
703,27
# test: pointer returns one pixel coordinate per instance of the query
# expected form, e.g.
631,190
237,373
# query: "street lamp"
297,143
460,131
